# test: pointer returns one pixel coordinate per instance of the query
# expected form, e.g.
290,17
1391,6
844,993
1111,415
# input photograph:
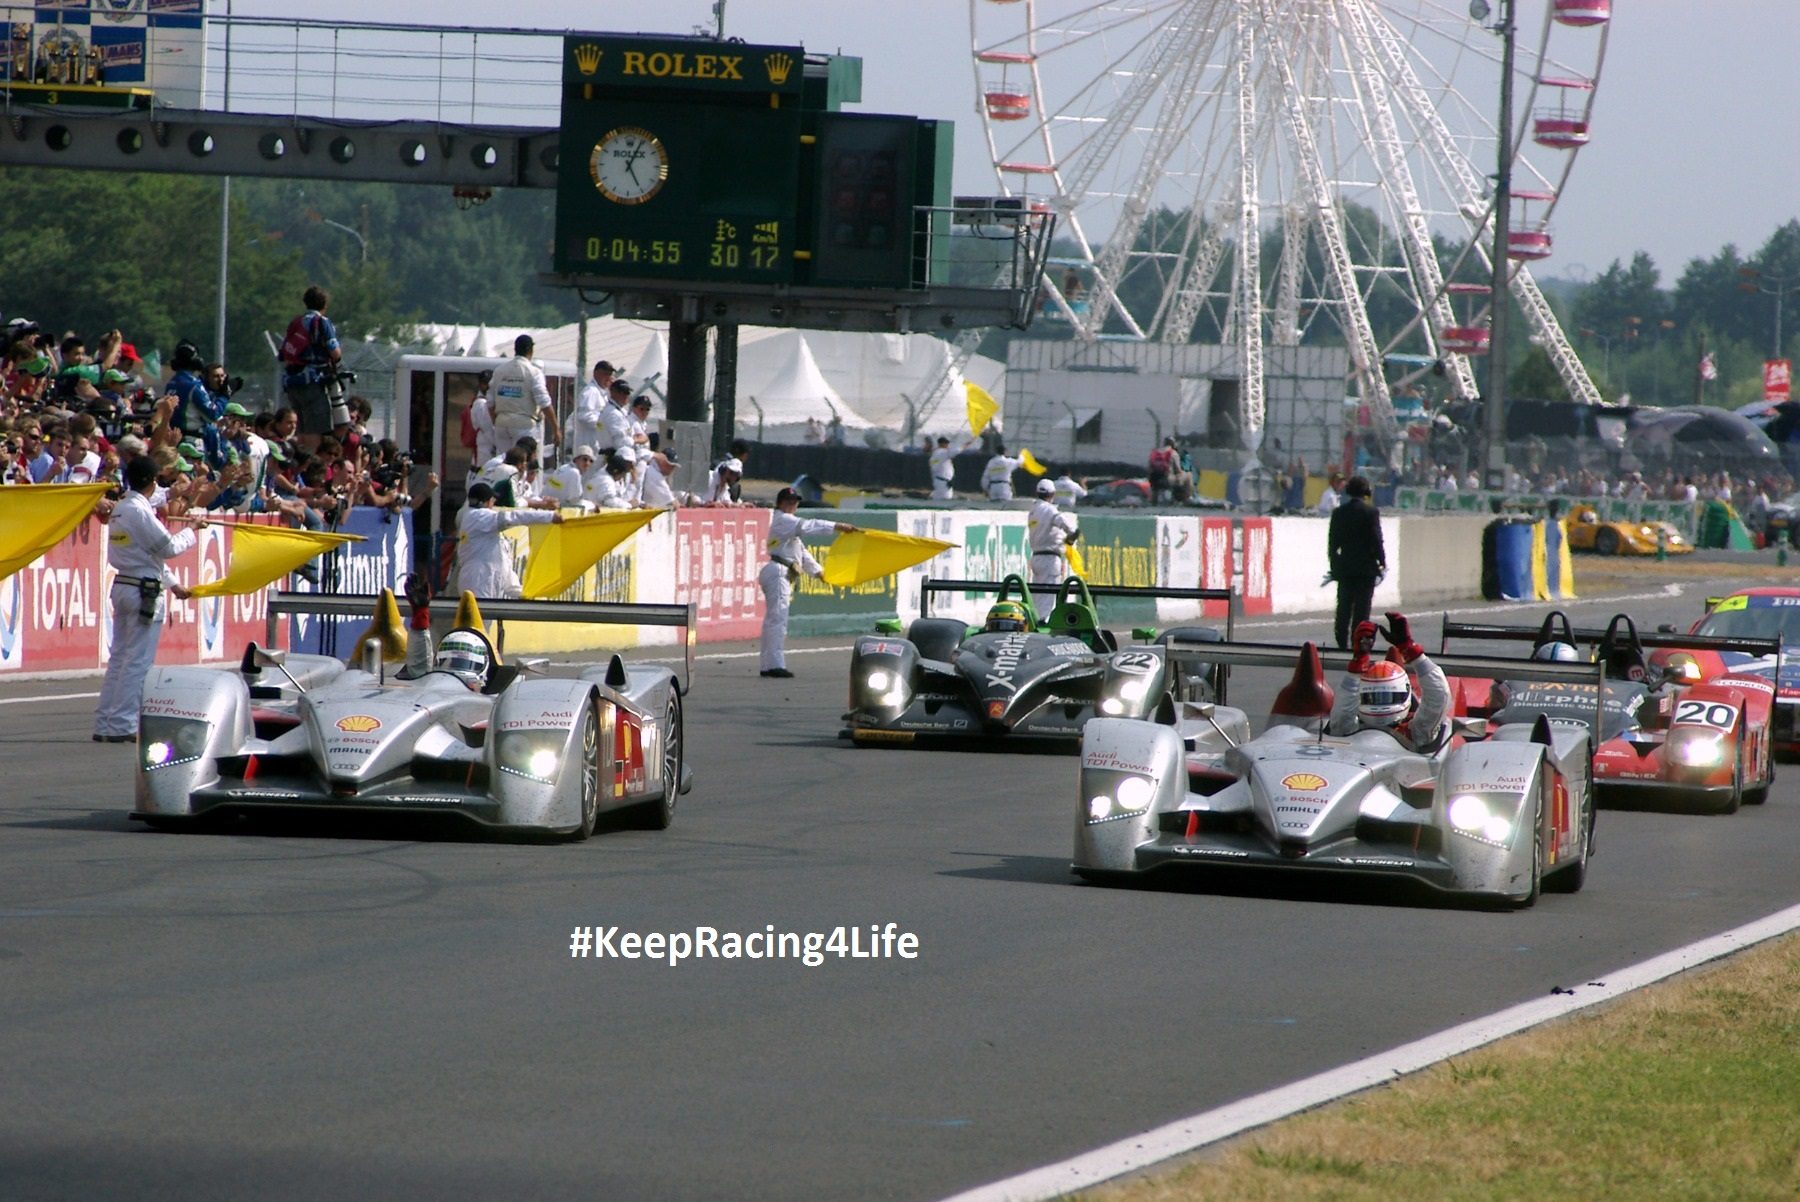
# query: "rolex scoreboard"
703,162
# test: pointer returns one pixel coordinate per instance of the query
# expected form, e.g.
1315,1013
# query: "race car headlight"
883,688
531,753
1130,795
170,741
1473,816
1699,751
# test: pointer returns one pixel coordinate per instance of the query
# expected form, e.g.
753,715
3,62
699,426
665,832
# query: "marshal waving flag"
261,555
561,553
862,555
982,407
35,517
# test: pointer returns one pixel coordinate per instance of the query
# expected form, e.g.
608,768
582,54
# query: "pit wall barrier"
54,618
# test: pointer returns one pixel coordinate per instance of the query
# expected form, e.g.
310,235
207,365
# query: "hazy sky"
1695,142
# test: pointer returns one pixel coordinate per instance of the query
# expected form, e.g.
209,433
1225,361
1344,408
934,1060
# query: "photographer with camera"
197,411
310,354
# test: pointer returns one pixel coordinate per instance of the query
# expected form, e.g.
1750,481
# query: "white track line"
1190,1134
48,697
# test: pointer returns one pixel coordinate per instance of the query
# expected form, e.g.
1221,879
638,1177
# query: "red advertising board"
717,555
56,614
1254,589
1215,560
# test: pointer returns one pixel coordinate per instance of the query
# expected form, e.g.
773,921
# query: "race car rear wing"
1281,655
599,613
1591,634
1093,590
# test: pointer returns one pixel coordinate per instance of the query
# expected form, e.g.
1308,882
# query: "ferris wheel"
1239,171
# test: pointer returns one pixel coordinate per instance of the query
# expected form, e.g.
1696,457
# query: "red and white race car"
1771,613
1668,734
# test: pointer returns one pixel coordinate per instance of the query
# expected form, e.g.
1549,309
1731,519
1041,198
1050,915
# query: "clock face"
629,165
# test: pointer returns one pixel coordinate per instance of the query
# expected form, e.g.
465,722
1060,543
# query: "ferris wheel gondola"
1263,173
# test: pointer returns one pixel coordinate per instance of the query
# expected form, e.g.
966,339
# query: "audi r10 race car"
1496,814
1669,732
1588,531
1040,681
489,744
1758,613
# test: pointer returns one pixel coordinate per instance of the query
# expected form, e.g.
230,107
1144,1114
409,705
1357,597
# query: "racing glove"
418,595
1399,635
1362,641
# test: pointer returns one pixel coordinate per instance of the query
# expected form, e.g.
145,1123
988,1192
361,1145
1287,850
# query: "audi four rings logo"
362,724
1303,782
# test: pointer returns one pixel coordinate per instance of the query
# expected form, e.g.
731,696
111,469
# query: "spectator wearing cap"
520,399
612,487
656,492
640,440
567,485
615,422
788,558
484,563
138,548
720,483
585,429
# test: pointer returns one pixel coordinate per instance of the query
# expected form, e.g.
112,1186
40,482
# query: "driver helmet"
1684,667
1007,615
1384,695
1589,517
464,654
1556,652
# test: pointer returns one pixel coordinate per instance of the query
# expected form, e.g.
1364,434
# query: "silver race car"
1493,816
1021,678
484,742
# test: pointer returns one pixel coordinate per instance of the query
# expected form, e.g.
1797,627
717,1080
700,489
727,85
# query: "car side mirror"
1470,728
888,626
1666,628
1199,709
270,657
1144,634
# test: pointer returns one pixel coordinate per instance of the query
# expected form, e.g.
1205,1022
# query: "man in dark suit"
1358,558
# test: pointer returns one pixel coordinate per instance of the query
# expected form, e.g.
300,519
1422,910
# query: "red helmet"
1384,696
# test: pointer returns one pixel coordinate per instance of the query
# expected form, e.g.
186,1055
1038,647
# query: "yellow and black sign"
599,66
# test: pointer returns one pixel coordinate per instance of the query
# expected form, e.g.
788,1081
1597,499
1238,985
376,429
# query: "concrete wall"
1442,560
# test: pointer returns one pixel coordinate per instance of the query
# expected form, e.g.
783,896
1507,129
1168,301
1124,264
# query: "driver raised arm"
1376,694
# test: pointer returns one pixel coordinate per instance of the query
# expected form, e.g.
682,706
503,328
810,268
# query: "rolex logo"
778,66
587,57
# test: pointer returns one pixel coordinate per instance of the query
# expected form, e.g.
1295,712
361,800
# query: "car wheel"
1736,797
1529,897
1573,877
1757,794
590,773
656,815
1606,541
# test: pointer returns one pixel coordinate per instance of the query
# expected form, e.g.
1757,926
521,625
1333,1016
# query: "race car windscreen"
1755,620
1573,703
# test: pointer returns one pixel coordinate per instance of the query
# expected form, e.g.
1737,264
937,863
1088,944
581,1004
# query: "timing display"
656,253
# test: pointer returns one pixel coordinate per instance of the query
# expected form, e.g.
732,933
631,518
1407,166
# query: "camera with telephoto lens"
232,384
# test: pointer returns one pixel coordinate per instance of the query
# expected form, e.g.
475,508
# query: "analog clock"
629,165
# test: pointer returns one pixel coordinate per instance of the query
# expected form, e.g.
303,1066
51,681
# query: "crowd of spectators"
1744,491
71,415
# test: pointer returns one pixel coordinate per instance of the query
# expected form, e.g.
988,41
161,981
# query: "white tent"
780,388
651,371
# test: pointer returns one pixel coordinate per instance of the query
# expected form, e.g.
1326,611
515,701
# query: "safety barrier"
53,616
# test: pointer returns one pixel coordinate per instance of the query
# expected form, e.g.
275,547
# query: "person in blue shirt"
197,410
310,354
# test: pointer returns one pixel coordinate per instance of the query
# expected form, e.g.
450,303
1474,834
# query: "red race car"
1667,732
1760,613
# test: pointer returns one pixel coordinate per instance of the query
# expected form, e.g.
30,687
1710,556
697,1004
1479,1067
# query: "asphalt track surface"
380,1012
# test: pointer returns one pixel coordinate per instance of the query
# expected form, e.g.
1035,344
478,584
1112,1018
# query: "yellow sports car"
1589,532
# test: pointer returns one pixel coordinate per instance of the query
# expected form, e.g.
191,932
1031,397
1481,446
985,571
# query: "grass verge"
1687,1091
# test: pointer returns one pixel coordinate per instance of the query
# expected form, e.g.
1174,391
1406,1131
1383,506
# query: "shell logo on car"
358,724
1303,782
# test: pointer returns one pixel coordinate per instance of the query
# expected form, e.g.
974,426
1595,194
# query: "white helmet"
465,655
1384,695
1556,652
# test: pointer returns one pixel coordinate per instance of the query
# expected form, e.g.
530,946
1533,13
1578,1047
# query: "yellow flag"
982,407
561,553
261,555
863,555
35,517
1029,462
1077,566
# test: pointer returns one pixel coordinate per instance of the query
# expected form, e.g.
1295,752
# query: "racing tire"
1606,541
1571,878
1755,795
1736,797
658,813
590,774
1526,900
